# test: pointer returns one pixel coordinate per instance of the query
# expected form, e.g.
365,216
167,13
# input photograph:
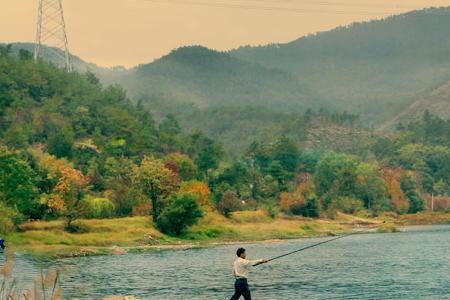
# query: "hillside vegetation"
72,149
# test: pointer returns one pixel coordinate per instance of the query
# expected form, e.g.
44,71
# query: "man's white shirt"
241,266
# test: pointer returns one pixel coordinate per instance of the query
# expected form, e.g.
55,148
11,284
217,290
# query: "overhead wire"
270,8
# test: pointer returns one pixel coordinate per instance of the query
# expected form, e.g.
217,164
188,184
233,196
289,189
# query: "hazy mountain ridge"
206,78
375,68
386,70
437,103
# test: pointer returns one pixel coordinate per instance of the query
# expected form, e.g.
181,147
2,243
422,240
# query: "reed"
46,286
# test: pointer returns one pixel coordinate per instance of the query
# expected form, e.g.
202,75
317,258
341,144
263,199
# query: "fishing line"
324,242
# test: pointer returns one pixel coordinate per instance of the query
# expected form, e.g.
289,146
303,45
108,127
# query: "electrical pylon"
51,31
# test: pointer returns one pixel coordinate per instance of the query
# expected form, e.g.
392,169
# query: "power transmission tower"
51,31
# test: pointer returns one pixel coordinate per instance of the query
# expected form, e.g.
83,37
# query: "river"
412,264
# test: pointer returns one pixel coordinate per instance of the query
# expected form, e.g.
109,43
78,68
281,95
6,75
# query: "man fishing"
240,271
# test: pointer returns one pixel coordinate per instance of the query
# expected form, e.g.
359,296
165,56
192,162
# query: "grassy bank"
115,236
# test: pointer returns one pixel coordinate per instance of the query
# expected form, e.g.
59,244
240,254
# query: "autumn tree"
229,203
399,201
67,195
199,189
156,182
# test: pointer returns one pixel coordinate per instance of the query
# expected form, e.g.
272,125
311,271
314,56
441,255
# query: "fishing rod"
324,242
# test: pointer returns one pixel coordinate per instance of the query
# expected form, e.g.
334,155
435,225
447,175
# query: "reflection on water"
414,264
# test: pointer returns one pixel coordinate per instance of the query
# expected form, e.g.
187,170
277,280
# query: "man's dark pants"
241,289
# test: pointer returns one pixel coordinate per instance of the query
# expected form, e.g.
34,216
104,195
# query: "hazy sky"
129,32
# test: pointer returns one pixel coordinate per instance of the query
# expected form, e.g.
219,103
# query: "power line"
269,8
335,3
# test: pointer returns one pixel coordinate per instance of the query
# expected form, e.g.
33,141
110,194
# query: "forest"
71,148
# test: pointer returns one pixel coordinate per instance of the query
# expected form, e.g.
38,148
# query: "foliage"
180,212
310,208
9,218
370,187
66,198
229,203
98,208
399,201
156,182
17,186
349,205
409,186
78,149
199,189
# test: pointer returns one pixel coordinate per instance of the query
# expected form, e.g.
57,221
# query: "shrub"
349,205
179,212
229,203
98,208
9,218
308,209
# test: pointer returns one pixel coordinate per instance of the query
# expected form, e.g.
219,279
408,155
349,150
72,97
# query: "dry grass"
110,235
426,218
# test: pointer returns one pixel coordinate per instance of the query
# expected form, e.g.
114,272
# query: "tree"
337,173
370,187
236,176
180,212
199,189
60,142
67,196
286,202
286,152
208,157
17,186
185,168
399,201
277,172
309,209
409,186
156,182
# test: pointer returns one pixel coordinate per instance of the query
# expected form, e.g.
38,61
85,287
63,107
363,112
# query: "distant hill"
80,65
387,71
437,103
374,68
205,78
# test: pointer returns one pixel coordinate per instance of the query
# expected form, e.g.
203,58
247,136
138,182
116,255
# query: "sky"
131,32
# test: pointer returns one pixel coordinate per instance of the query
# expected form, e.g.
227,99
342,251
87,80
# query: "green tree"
337,173
370,187
209,157
409,187
17,187
286,152
60,142
180,212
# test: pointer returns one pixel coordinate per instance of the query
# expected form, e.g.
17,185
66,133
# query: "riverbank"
119,236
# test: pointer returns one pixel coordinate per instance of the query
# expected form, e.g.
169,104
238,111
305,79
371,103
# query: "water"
414,264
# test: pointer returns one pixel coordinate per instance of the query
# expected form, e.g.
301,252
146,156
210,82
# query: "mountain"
437,103
203,78
78,64
374,68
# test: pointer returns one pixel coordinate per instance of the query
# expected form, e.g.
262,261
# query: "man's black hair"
240,251
2,244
